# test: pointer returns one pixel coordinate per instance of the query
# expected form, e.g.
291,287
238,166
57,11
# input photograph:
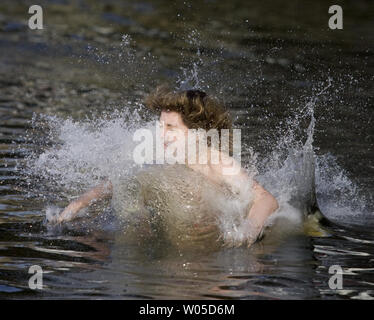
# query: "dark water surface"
265,60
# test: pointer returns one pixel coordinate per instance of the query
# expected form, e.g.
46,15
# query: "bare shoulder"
230,171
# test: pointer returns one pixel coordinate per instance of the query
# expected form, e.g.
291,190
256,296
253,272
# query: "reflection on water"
266,61
101,265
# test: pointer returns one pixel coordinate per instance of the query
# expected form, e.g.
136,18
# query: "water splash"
131,68
300,178
77,155
191,77
71,156
339,197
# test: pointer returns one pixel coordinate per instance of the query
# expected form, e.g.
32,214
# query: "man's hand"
245,235
103,190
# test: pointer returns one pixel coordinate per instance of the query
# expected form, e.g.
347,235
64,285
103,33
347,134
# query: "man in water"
179,112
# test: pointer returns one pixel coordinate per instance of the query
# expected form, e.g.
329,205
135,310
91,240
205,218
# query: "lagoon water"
70,100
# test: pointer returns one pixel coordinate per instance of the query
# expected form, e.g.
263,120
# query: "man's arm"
103,190
264,204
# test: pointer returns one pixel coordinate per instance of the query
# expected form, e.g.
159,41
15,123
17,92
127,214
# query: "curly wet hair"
197,109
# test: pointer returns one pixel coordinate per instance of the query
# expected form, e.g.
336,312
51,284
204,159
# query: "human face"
172,127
